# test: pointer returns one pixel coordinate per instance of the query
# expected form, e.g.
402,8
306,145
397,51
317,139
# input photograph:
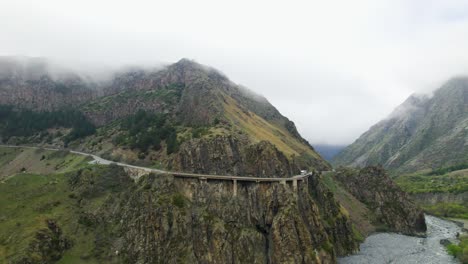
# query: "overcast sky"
334,67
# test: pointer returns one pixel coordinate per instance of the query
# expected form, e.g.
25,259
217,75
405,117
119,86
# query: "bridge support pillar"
234,187
295,185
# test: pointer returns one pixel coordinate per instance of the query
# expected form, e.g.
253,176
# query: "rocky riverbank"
396,248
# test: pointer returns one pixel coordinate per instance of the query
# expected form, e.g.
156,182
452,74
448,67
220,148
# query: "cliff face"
29,83
162,219
422,133
390,206
233,156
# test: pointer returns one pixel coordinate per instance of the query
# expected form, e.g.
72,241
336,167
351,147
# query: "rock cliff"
230,155
162,219
390,206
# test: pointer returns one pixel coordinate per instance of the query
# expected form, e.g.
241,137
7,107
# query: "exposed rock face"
44,94
441,197
232,156
422,133
173,220
335,216
390,205
28,83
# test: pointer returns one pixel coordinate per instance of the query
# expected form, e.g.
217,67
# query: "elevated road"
100,160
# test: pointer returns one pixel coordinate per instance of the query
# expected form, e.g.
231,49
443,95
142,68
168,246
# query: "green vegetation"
455,210
146,130
178,200
24,123
433,182
461,250
199,132
259,129
24,160
445,170
443,180
45,216
169,95
414,141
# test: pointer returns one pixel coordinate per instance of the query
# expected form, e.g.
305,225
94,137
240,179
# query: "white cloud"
334,67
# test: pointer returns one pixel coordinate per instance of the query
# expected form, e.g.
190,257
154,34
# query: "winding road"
100,160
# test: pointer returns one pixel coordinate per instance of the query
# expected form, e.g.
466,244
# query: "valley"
233,132
180,165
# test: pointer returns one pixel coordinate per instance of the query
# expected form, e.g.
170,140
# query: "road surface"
100,160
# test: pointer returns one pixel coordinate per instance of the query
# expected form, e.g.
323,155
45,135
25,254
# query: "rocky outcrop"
48,246
390,205
229,155
172,220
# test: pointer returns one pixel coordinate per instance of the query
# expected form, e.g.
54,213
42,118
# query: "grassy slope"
27,200
258,129
22,160
168,95
453,182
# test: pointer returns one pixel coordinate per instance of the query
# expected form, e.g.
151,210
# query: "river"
395,248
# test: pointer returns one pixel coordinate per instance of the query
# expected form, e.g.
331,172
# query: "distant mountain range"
424,132
328,152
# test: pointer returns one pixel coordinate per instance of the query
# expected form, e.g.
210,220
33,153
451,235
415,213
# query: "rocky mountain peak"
423,132
414,103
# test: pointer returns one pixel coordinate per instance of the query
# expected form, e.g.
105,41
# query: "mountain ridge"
422,133
191,96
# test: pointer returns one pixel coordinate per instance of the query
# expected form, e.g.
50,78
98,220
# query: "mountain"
184,117
35,83
74,212
204,116
422,133
328,151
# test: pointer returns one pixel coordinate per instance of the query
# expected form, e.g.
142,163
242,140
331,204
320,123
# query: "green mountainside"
424,144
182,117
422,133
56,207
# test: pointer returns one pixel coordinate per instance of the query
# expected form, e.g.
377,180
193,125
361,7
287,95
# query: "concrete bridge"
137,171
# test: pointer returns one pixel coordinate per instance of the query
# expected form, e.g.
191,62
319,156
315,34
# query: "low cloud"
333,67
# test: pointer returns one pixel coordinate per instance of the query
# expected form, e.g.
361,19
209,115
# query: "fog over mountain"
334,67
